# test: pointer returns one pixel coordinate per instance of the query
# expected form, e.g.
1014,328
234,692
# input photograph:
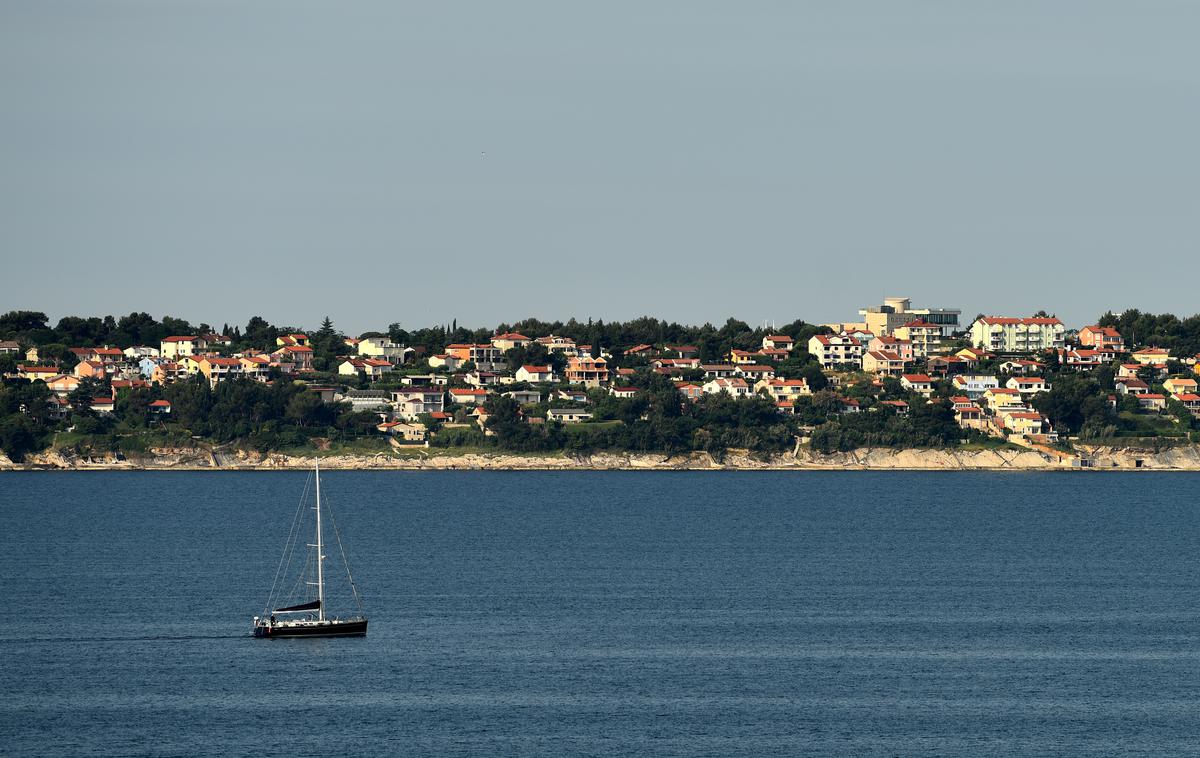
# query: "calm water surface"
610,614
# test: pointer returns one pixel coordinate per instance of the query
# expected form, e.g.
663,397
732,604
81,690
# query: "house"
372,368
773,354
411,402
102,405
1003,334
1028,385
1022,366
752,372
383,348
160,407
524,397
676,364
1153,370
63,384
218,369
970,416
718,370
882,363
944,365
574,396
568,415
782,389
922,384
127,384
850,405
1152,401
481,378
778,342
292,340
973,354
255,366
862,336
1084,360
99,354
898,406
95,369
1180,385
892,344
555,344
536,374
181,346
404,431
689,390
10,347
1131,385
742,356
623,393
589,372
300,356
365,400
484,356
999,399
446,361
974,385
1022,422
1150,356
420,380
167,372
833,350
733,386
468,395
1191,401
1102,338
922,335
509,340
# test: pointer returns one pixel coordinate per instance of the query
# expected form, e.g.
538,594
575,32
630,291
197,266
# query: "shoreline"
1088,458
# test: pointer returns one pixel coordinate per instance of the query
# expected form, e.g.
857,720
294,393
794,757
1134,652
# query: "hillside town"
987,375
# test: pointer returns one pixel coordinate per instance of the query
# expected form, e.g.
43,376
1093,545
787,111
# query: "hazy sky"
418,162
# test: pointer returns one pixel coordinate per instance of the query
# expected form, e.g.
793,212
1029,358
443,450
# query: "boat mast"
320,553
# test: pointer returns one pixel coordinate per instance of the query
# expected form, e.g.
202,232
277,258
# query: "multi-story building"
486,357
898,311
1001,334
832,350
590,372
924,336
901,347
882,363
384,348
181,346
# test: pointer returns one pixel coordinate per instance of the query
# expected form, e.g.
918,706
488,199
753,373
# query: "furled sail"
301,608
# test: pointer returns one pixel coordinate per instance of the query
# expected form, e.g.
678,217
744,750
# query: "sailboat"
308,618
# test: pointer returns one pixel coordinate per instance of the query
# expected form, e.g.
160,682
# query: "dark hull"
351,628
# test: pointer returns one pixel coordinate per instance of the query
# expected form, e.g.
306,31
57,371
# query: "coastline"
1089,458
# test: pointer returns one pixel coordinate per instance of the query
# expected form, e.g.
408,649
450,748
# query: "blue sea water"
689,614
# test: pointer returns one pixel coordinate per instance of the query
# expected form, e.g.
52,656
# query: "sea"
608,614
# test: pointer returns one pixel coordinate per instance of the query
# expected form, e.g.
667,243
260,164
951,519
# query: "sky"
413,162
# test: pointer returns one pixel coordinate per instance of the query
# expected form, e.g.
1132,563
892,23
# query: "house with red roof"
1102,338
509,340
778,342
535,374
922,384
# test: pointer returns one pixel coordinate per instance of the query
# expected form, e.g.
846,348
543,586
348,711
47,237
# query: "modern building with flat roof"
898,311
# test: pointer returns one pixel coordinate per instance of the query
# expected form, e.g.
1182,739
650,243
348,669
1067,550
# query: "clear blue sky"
418,162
